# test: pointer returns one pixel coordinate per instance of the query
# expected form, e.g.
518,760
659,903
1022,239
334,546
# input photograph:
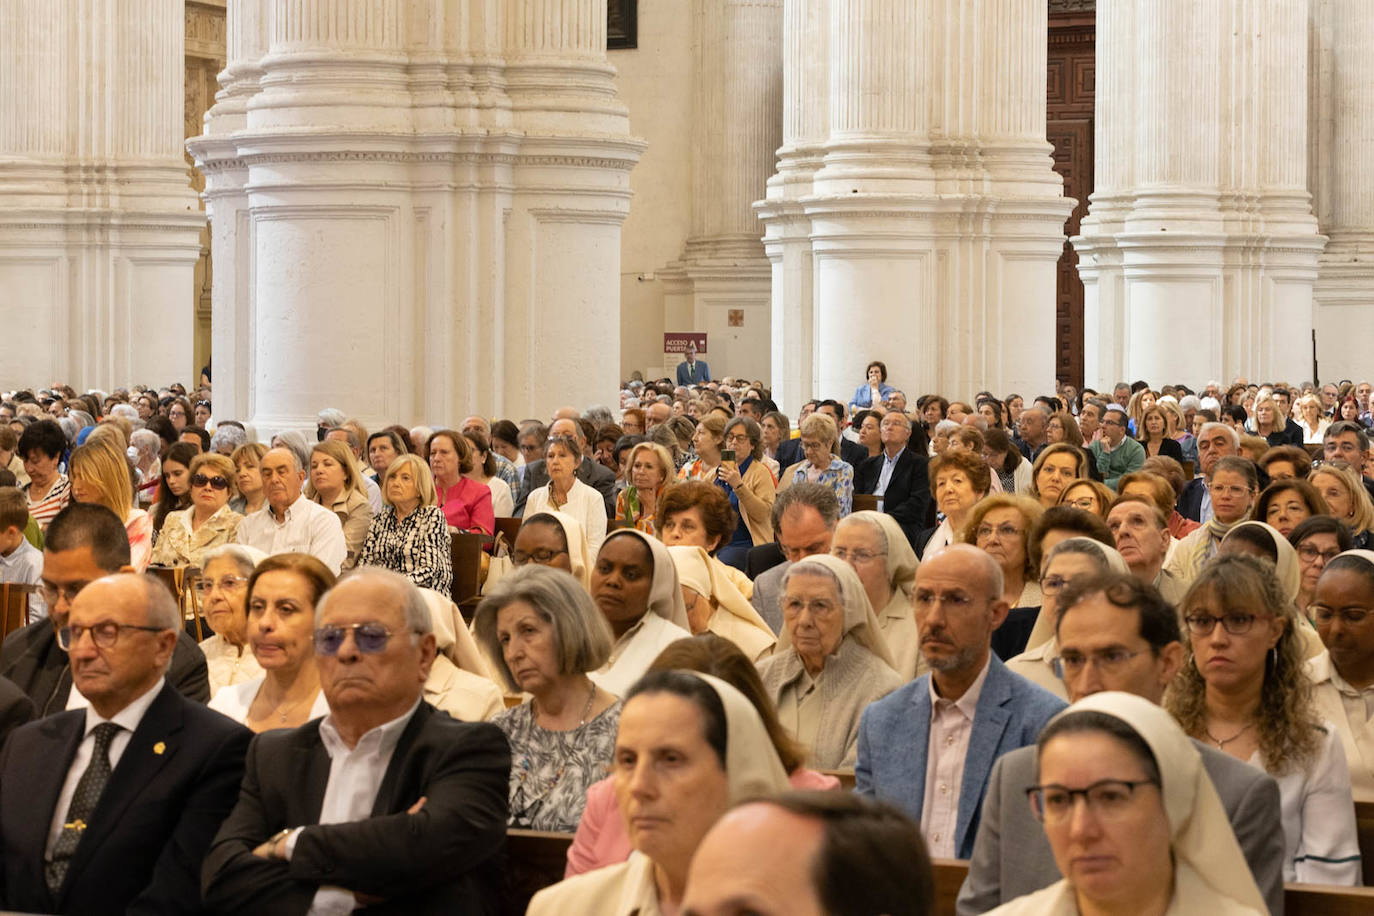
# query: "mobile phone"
727,454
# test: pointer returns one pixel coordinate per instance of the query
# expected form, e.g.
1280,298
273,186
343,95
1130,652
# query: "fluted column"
919,204
1342,156
1199,249
99,228
737,129
419,205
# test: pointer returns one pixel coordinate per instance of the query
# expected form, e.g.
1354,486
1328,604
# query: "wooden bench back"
1364,827
865,502
14,606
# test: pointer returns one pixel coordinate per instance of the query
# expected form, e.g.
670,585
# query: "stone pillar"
99,229
416,209
915,204
1342,152
1199,249
737,118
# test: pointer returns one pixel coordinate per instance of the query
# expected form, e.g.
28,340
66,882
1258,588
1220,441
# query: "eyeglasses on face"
370,638
855,556
1070,663
215,483
541,556
1224,490
104,635
1204,624
1087,503
1006,530
69,592
223,583
1108,799
1350,616
956,601
819,607
1310,552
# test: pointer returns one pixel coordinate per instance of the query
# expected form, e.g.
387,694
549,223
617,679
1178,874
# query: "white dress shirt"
24,566
308,528
234,700
951,726
885,476
127,719
355,776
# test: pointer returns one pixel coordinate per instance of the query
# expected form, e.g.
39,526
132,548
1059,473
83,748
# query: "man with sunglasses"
85,542
1115,633
384,800
110,809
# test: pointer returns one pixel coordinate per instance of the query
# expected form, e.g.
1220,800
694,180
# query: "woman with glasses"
1317,540
831,660
208,523
1343,677
179,412
1070,559
410,535
750,487
1233,485
1242,690
223,592
820,440
99,473
281,596
873,543
1088,495
1132,818
544,635
650,469
553,539
999,525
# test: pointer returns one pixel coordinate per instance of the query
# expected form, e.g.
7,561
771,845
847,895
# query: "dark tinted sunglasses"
217,483
370,638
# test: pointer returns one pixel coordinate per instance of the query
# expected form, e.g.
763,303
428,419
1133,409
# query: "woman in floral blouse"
410,535
820,439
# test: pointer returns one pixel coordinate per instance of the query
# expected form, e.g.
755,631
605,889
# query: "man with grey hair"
928,748
110,808
227,437
1031,431
804,517
1214,442
897,476
290,523
383,802
590,472
328,419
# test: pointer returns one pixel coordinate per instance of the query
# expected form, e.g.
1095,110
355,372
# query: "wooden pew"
865,502
14,606
846,778
1364,826
536,860
465,551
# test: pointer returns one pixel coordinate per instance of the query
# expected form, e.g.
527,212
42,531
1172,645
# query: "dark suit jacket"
789,453
690,375
852,452
15,708
1190,500
589,472
1012,857
762,558
448,858
907,498
32,659
174,784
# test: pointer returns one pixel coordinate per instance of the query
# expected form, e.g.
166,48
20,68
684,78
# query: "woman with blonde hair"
336,483
248,478
208,523
410,534
1153,433
1054,469
1340,485
1243,691
999,525
650,468
1140,402
1311,419
99,473
820,440
1268,424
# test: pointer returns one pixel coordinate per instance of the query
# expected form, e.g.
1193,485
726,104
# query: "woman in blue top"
873,391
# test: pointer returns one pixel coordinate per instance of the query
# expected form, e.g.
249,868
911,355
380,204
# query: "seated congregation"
1104,652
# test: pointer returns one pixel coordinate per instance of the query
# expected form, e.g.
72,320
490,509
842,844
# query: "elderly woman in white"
831,660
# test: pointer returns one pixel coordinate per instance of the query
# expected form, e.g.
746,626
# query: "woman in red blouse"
466,502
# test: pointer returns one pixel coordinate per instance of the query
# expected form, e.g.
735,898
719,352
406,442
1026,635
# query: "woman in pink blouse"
466,502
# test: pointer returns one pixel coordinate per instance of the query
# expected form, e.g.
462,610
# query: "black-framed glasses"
104,635
1204,624
542,556
1350,616
370,638
1107,798
52,592
215,483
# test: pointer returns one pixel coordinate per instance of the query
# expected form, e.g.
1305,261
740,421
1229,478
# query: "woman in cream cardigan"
714,605
724,755
831,660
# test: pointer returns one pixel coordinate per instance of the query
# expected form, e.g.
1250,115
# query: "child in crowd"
20,561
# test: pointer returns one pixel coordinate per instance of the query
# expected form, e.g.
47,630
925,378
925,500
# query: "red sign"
678,341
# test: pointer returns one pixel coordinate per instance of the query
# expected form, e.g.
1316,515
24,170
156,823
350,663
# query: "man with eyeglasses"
385,801
928,747
1114,633
110,809
85,542
897,476
1349,443
1214,442
1115,452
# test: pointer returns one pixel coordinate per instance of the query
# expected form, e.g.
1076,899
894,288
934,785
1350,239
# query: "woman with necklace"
1242,690
282,593
547,635
566,494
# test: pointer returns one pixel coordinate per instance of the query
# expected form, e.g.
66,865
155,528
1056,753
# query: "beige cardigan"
626,889
756,493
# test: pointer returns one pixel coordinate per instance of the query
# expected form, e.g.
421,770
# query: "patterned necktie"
84,800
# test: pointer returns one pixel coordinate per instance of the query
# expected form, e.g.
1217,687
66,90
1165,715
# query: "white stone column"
99,228
416,208
737,128
1342,155
1199,249
922,195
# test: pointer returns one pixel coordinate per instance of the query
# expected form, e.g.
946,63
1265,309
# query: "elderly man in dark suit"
592,473
897,476
110,809
386,802
1214,442
1115,633
85,541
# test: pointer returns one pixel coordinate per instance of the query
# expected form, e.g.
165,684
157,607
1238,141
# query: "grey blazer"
767,595
1012,857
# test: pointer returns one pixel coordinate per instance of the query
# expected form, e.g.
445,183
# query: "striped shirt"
44,509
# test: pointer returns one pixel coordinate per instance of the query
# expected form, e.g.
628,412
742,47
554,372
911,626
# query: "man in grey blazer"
804,516
929,747
1115,633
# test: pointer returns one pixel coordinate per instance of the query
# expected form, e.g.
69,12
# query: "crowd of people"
1156,602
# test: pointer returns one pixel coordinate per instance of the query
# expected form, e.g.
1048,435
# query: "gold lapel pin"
159,747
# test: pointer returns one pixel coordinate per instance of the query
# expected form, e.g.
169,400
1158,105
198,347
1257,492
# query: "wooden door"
1070,91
